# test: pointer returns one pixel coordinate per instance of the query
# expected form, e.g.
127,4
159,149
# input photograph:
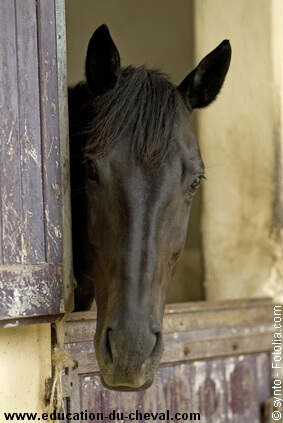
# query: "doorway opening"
164,36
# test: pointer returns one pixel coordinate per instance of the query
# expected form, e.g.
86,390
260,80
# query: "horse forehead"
128,171
181,151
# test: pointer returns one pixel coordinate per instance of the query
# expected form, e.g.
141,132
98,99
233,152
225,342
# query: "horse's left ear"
203,84
102,67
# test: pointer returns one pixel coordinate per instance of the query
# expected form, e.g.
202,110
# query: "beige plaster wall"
241,151
25,362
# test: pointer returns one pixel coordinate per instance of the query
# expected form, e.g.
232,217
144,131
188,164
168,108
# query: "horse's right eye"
91,172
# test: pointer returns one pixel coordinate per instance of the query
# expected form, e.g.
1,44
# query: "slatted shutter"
34,215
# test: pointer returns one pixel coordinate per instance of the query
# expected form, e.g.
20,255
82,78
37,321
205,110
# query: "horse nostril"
158,344
142,347
108,350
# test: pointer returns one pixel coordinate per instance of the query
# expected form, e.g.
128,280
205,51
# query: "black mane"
142,108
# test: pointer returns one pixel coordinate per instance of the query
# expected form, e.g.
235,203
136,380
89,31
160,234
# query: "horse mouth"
125,388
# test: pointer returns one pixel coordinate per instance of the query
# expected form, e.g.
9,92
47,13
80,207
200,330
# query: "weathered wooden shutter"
33,180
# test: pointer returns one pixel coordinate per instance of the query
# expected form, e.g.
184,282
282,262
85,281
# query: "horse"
135,168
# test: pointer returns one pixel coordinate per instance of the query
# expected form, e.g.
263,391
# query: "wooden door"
33,173
216,367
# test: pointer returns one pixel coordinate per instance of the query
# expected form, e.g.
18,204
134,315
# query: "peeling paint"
11,325
11,153
57,189
33,154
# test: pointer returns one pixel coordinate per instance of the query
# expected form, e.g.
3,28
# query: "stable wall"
158,34
240,137
25,357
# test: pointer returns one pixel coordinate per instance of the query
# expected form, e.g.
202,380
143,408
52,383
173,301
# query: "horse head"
136,167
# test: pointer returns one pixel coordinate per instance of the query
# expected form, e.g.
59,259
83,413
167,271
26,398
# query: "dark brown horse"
135,167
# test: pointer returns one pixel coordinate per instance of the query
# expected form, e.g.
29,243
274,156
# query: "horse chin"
127,388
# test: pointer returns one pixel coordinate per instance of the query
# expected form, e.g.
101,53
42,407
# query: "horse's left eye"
196,183
92,171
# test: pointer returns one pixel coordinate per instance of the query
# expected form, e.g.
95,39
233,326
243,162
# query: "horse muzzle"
128,353
128,388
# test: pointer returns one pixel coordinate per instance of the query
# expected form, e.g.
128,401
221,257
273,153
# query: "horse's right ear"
102,67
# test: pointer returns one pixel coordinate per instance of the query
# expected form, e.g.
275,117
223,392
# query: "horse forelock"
142,110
